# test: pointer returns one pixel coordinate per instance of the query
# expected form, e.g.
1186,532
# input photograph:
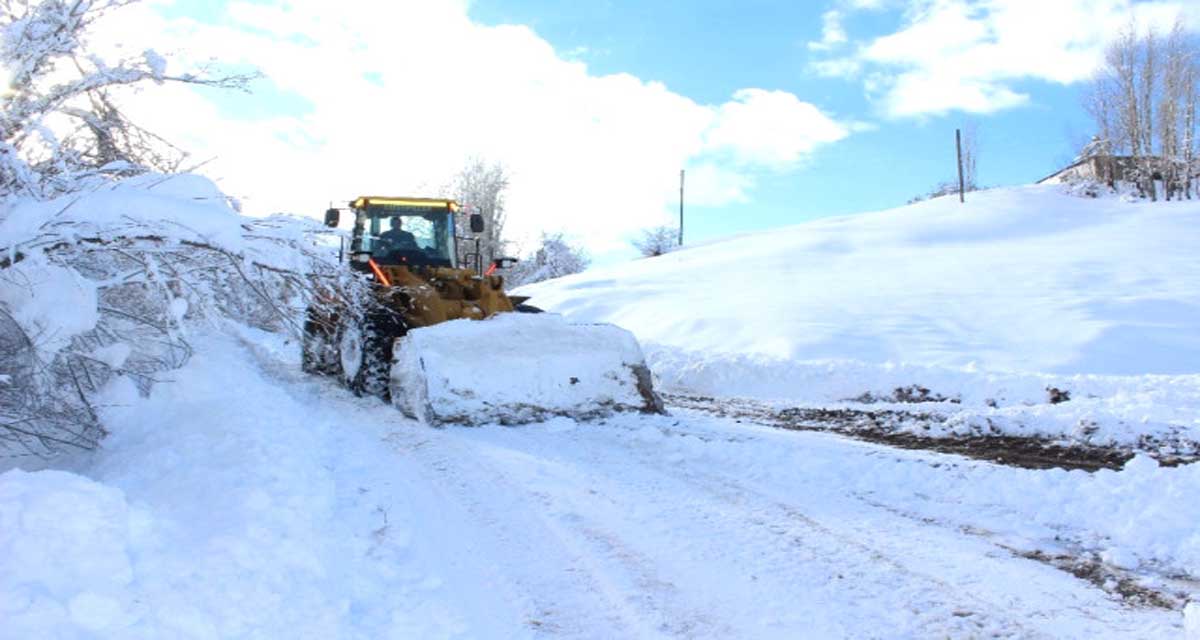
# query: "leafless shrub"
480,188
555,257
657,241
970,168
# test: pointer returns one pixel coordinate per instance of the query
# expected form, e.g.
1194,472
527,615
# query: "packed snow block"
517,368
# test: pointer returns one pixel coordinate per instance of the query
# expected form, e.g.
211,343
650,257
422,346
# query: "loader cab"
415,232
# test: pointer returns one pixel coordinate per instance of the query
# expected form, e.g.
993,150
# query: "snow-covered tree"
86,299
555,257
657,241
1176,114
60,120
480,187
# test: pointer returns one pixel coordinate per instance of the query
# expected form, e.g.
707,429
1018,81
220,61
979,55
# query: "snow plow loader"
445,344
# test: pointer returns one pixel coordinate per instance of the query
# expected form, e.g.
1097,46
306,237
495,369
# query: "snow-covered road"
256,502
587,531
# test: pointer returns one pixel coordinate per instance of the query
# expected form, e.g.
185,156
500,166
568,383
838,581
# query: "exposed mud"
913,394
1140,592
901,428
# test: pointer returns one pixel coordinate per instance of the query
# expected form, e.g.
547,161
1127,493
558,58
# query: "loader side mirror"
476,223
331,217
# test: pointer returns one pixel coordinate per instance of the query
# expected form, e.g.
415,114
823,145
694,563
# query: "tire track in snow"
576,581
755,556
431,559
964,586
1042,599
395,582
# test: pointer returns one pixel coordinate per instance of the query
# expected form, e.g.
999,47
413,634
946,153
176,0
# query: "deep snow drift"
988,303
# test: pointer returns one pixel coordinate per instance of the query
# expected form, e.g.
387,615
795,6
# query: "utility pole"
681,207
961,185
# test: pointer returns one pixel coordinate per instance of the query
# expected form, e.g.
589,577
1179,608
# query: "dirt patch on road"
901,428
882,427
1116,582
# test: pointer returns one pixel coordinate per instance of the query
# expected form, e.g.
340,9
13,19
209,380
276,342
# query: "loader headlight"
361,257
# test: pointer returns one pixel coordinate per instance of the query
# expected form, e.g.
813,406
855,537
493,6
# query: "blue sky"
707,50
781,111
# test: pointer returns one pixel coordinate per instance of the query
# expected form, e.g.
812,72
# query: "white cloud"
869,5
771,128
709,185
401,93
846,68
967,55
832,32
917,93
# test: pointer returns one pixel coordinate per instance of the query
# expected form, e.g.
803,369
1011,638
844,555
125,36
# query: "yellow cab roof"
423,203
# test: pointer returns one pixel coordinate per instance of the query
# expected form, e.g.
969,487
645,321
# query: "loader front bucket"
516,368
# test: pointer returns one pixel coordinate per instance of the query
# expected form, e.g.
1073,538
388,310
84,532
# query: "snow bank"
517,368
1152,412
66,545
209,515
1025,279
240,500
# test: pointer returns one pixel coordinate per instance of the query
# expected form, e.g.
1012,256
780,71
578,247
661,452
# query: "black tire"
527,308
366,354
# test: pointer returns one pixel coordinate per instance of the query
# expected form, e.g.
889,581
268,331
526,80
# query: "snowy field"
989,304
242,499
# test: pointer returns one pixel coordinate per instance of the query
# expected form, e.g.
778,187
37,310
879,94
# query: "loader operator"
397,239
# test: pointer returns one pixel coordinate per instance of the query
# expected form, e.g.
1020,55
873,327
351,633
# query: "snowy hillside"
1026,279
987,304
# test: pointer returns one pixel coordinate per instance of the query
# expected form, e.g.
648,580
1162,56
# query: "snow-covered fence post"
958,147
681,207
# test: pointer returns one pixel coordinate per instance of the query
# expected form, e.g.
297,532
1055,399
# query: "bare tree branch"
1143,103
54,77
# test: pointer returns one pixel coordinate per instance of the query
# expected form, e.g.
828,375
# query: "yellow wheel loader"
444,342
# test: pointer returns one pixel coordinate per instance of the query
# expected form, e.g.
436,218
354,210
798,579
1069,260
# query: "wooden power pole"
681,207
962,187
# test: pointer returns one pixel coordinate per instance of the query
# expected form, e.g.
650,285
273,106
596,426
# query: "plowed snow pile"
987,303
518,368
